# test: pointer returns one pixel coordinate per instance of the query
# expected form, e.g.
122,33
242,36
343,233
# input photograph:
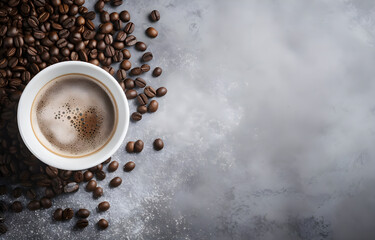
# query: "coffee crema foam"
73,115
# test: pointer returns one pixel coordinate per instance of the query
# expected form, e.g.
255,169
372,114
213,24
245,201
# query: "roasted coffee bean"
114,16
130,147
67,214
65,52
32,51
161,91
112,166
109,51
104,17
43,17
88,35
80,21
106,28
107,161
151,32
91,185
58,214
131,94
142,99
130,40
33,205
103,206
118,57
75,37
145,68
118,45
136,71
116,2
64,33
31,194
121,36
78,176
129,83
79,46
115,182
90,15
3,206
121,75
49,193
61,43
87,176
83,213
99,6
12,63
129,27
102,224
158,144
18,41
3,63
71,187
129,166
117,25
69,22
150,92
45,202
142,109
109,69
39,3
141,46
100,175
98,192
147,57
33,21
82,223
155,16
82,55
108,39
101,45
125,16
136,116
17,192
26,76
157,72
16,206
11,52
90,25
138,146
126,65
126,53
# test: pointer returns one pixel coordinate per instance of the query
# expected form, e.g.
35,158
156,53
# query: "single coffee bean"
33,205
57,215
102,224
142,99
67,214
150,92
83,213
109,69
33,21
106,28
125,16
126,65
130,147
151,32
79,46
90,15
16,207
121,36
129,166
49,193
145,68
112,166
98,192
78,176
158,144
82,223
129,27
131,94
157,72
114,16
136,71
155,16
142,109
121,75
31,194
141,46
138,146
99,6
153,106
18,41
17,192
126,53
43,17
91,185
108,39
109,51
45,202
136,116
103,206
115,182
69,22
32,51
90,25
118,45
100,175
89,35
104,17
161,91
71,187
83,56
147,57
116,2
130,40
87,176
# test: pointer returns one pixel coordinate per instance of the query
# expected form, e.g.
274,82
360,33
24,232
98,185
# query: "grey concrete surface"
269,127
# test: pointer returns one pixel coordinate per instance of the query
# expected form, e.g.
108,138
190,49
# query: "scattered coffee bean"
83,213
158,144
126,65
88,176
142,109
31,194
131,94
157,72
129,27
145,68
125,16
130,40
146,57
16,206
99,6
136,116
161,91
142,99
129,83
17,192
98,192
121,74
151,32
155,16
138,146
103,206
115,182
49,193
129,166
33,205
126,53
141,46
102,224
107,161
106,28
58,214
104,17
116,2
91,185
67,214
149,91
140,82
153,106
45,202
82,223
100,175
71,187
113,166
78,177
130,147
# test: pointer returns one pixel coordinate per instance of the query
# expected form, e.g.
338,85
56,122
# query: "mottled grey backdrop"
269,127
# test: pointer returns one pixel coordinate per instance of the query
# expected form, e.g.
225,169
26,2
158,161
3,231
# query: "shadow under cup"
69,115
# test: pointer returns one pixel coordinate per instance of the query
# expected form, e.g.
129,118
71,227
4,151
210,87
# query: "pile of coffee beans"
35,34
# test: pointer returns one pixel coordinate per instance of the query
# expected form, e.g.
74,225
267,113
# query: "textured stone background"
268,125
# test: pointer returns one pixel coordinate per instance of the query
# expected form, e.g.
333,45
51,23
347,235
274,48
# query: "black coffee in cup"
74,115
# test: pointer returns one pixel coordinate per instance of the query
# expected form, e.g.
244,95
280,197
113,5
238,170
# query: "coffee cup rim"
25,107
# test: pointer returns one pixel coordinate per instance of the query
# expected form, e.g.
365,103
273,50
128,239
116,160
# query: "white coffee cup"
25,108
